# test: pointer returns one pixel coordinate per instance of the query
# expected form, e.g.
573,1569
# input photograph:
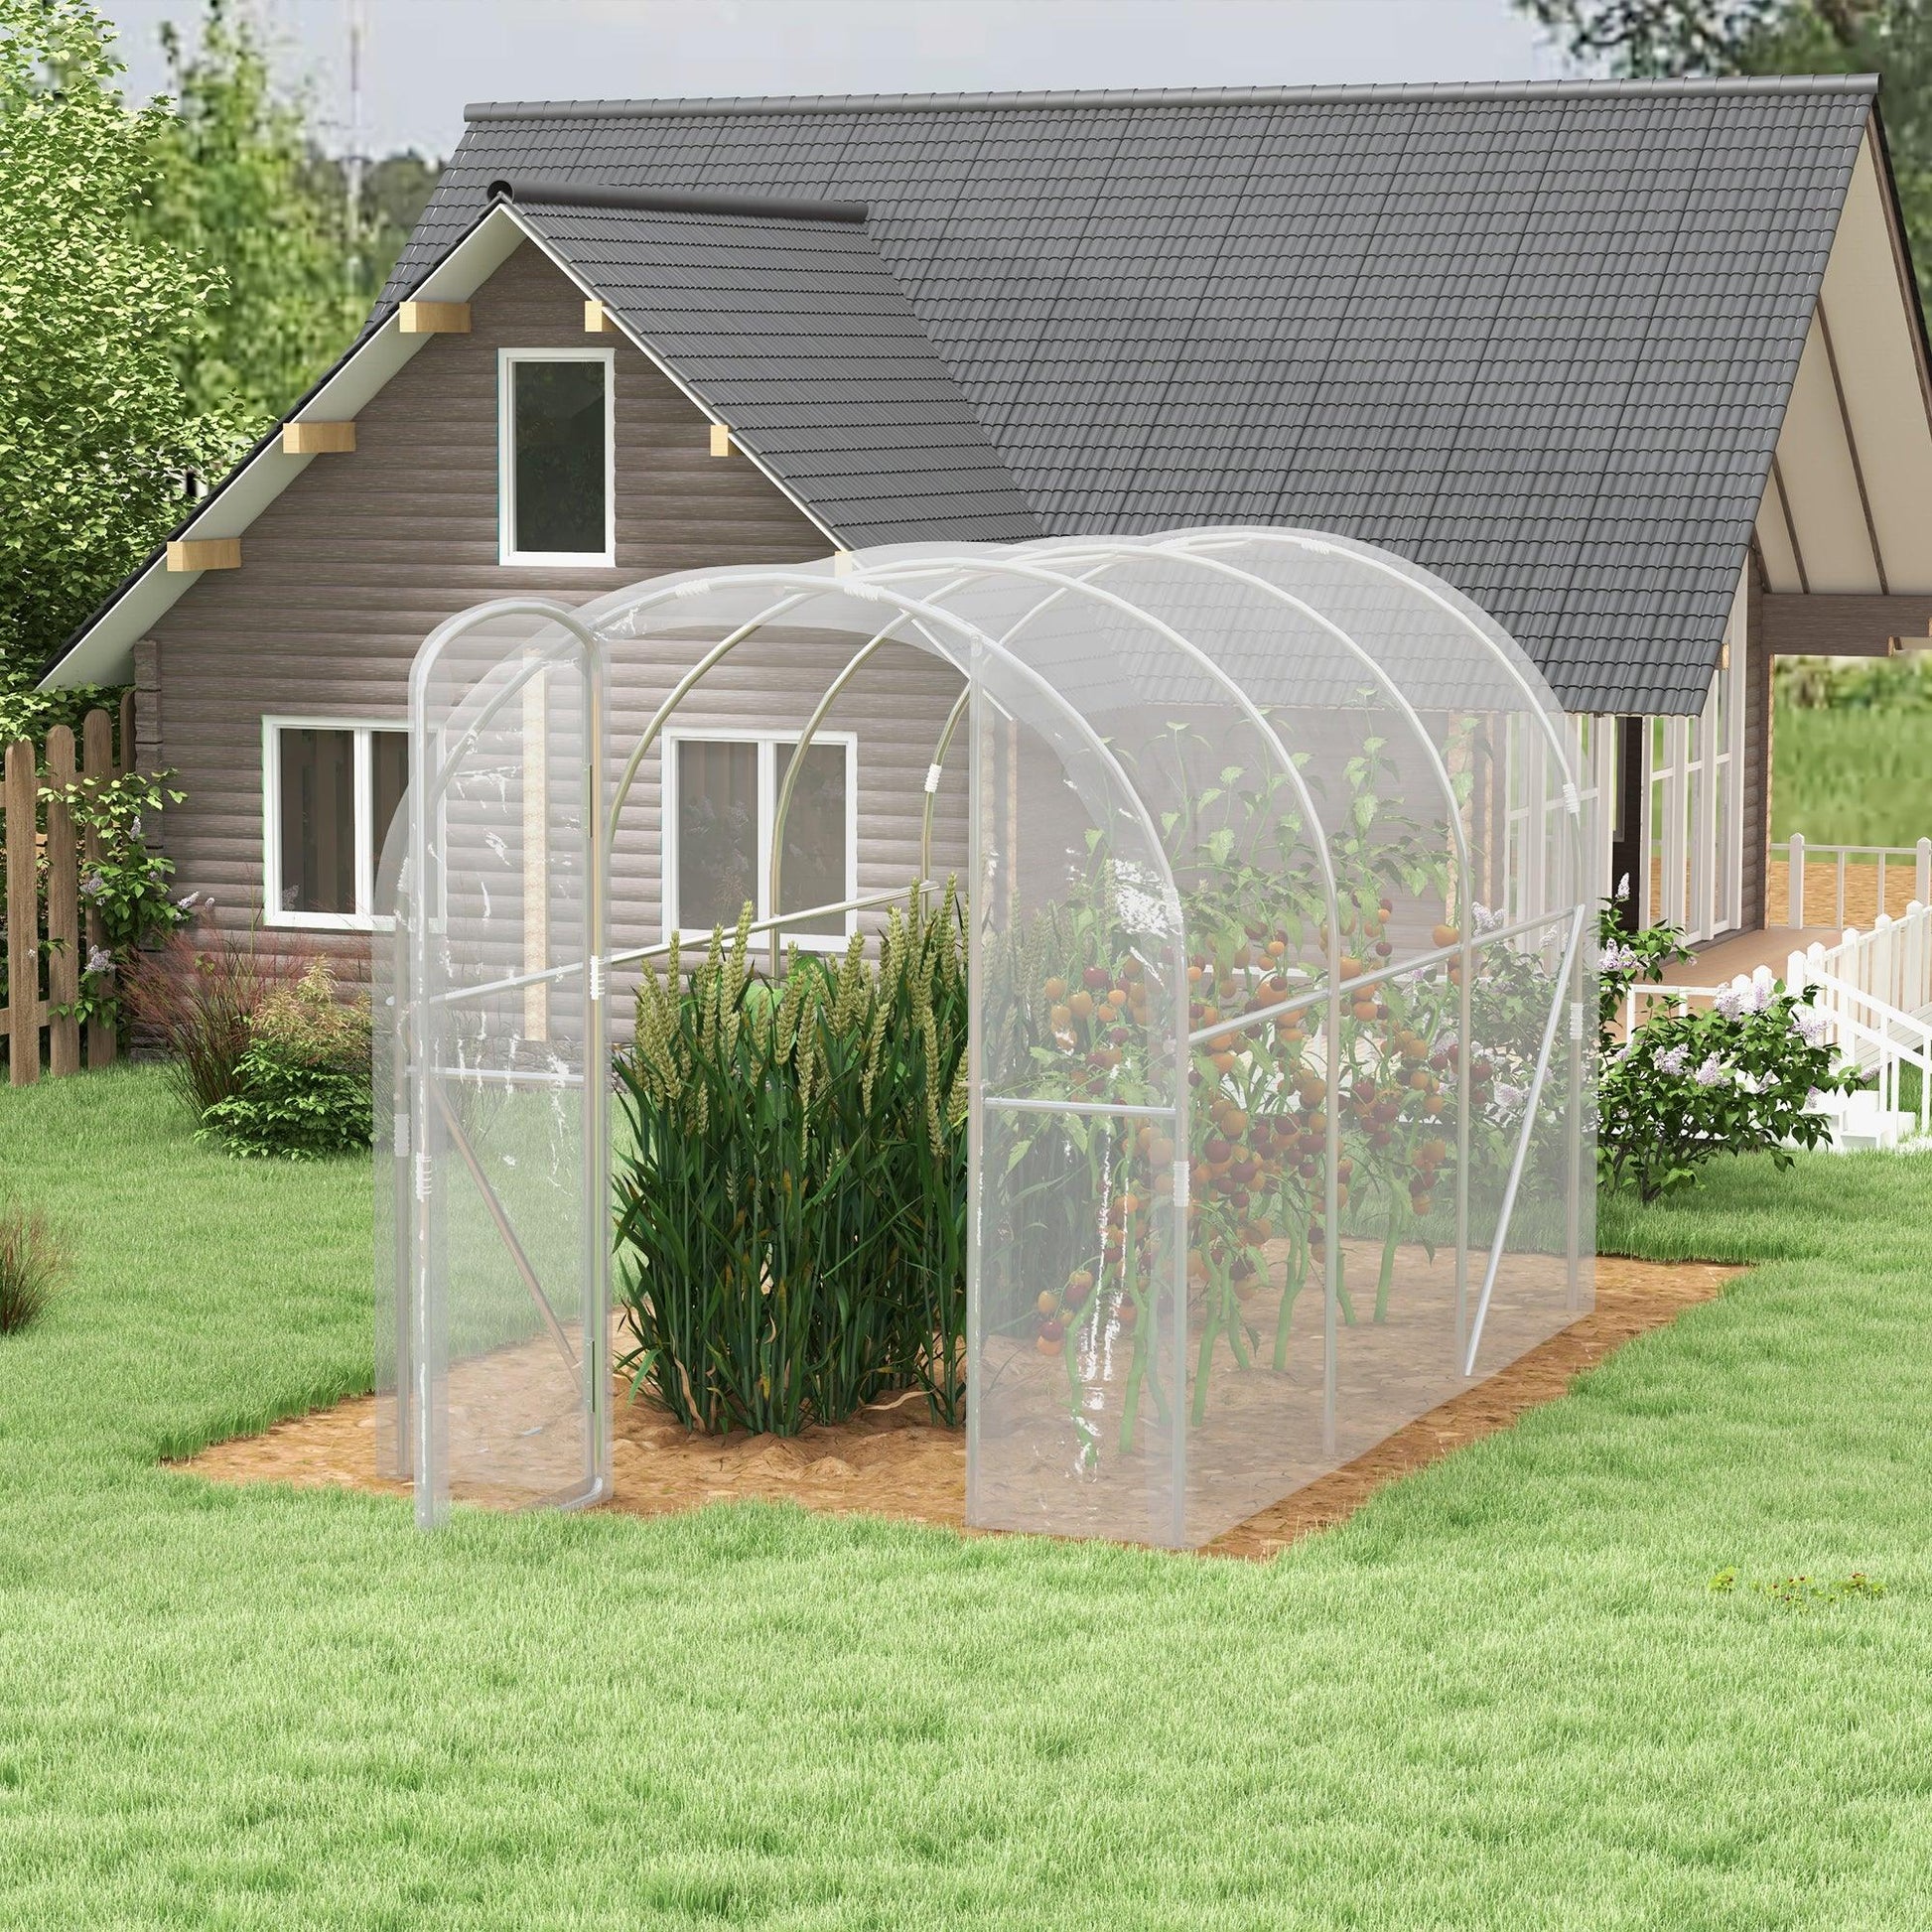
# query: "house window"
721,793
1695,778
329,794
554,457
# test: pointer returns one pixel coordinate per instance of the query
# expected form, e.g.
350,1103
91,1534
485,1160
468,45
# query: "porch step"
1859,1123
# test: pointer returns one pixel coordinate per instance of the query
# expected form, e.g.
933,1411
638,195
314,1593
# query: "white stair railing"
1891,963
1873,990
1878,1039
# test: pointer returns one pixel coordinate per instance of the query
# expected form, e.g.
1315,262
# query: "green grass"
1502,1694
1852,776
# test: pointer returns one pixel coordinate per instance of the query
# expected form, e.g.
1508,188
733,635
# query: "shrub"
1737,1077
302,1089
793,1230
32,1258
195,994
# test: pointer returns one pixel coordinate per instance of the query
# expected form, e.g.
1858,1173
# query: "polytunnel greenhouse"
1278,1121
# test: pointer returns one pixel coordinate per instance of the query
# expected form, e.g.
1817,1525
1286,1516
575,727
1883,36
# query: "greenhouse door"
506,1089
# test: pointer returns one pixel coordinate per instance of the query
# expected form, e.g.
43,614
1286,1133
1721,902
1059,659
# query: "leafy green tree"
1892,38
100,315
237,193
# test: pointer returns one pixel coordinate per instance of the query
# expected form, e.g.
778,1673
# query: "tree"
395,189
99,313
1892,38
237,193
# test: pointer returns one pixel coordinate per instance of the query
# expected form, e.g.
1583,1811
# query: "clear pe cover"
1280,1129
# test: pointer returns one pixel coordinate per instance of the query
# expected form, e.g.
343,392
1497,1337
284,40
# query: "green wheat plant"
792,1202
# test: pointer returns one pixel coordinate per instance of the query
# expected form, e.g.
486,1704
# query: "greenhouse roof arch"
1272,855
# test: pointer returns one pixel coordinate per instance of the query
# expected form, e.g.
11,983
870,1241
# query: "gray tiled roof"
795,334
1540,339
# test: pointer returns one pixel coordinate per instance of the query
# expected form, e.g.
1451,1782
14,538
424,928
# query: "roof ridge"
532,189
529,110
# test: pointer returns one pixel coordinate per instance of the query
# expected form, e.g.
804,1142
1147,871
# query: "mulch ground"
890,1461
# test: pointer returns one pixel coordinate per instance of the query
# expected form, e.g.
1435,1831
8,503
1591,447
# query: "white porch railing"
1808,894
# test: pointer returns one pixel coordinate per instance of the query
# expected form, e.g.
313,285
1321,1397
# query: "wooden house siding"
346,571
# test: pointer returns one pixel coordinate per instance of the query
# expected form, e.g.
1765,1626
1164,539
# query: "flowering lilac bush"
1685,1087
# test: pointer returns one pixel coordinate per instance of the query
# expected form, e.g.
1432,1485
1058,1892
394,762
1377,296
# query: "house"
1637,366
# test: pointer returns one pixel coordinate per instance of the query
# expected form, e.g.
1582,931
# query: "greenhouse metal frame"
1239,1012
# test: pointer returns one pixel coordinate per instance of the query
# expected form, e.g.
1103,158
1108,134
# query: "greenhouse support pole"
1464,1056
681,690
424,1304
975,1069
831,696
1574,1199
402,1209
1331,1196
598,1232
1530,1104
932,774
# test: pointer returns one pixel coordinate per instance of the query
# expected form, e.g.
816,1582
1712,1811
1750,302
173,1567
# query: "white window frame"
1702,883
767,742
1727,762
364,918
1539,861
506,361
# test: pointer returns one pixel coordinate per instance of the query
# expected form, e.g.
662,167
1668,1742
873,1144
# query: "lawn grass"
1852,776
1502,1694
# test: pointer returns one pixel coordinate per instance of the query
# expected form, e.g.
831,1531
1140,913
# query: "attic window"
554,441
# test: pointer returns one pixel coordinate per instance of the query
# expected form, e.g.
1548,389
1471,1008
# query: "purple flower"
93,885
1808,1024
1509,1098
1673,1060
1711,1073
1623,887
1618,958
99,960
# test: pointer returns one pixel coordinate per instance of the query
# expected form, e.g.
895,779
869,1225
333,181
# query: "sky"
424,58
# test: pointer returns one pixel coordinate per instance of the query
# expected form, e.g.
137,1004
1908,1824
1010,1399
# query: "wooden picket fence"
28,1013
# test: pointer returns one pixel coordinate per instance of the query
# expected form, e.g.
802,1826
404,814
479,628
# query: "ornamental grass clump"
194,996
302,1089
32,1258
792,1237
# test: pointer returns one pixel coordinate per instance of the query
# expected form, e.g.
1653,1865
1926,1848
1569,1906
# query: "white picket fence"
1873,990
1803,861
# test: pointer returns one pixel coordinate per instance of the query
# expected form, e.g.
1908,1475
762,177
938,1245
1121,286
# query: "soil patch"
890,1461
